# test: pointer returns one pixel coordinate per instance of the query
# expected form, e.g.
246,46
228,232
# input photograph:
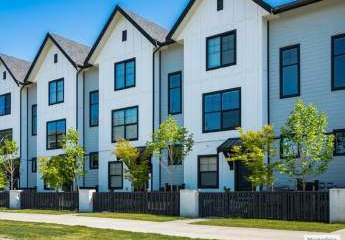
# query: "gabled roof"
76,53
16,67
153,32
261,3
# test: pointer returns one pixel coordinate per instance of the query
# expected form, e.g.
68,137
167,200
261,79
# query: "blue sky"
24,23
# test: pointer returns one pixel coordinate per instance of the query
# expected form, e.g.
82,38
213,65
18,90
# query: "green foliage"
137,165
63,170
256,145
172,137
9,161
306,128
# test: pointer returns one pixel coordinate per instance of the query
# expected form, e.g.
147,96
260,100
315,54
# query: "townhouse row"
223,65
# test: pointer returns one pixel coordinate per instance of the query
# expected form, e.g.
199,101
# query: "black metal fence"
4,199
298,206
50,200
163,203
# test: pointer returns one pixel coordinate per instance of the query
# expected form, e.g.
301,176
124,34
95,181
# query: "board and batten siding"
312,27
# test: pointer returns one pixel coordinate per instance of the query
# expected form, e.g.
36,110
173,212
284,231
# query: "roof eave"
10,72
293,5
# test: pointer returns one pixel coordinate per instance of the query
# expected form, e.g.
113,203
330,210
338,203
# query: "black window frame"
56,59
281,67
34,165
200,186
125,62
221,123
125,125
124,35
333,56
220,5
91,166
225,34
63,91
109,176
55,121
91,106
4,75
335,142
7,103
170,112
5,130
34,120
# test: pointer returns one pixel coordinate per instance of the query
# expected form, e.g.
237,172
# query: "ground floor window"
115,175
93,158
339,148
34,165
6,135
208,171
56,130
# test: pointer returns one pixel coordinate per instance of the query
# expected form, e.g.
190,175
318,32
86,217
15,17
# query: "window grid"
336,56
55,136
124,67
171,88
56,91
209,172
125,123
94,108
5,104
118,174
34,120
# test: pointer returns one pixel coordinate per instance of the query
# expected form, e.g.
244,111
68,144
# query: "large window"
34,120
290,71
175,93
56,91
125,74
93,158
339,149
221,50
208,171
5,104
222,110
338,62
115,175
125,124
56,131
6,135
93,109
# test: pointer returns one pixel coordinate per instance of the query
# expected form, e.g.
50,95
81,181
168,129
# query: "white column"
337,205
86,200
189,203
15,199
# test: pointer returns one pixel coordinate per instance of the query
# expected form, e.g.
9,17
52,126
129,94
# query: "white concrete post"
189,203
86,200
15,199
337,205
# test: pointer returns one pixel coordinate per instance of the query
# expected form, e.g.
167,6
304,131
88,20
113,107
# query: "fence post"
337,205
15,199
86,200
189,203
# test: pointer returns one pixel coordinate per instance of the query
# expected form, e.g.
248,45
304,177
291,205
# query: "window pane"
131,132
5,135
52,92
339,71
339,46
175,100
231,119
208,164
94,98
116,182
290,56
208,179
228,49
174,80
118,118
118,133
51,128
212,103
2,105
290,80
213,52
120,76
60,91
212,121
231,100
340,143
130,74
60,127
115,169
131,116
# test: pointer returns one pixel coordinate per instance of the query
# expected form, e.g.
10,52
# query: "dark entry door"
241,174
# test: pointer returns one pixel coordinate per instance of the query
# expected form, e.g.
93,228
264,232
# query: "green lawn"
40,231
37,211
132,216
273,224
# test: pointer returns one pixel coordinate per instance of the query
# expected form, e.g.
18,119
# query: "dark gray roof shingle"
18,67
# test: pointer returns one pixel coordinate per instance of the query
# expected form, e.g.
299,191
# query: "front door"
241,175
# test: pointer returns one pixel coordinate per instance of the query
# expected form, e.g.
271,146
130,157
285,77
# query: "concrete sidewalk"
181,228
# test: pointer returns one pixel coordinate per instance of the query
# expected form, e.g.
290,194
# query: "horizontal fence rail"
298,206
50,200
163,203
4,199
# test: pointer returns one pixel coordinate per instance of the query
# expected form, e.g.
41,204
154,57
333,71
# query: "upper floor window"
56,91
338,62
220,5
125,124
222,110
34,165
4,75
124,36
56,131
34,120
290,71
115,178
55,58
221,50
93,158
125,74
6,135
208,171
94,108
339,148
175,93
5,104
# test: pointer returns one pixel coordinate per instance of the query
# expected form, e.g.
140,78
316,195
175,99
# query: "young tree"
306,147
63,170
255,147
173,138
10,161
137,166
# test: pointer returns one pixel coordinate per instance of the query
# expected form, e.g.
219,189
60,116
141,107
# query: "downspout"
268,80
84,124
27,138
20,124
